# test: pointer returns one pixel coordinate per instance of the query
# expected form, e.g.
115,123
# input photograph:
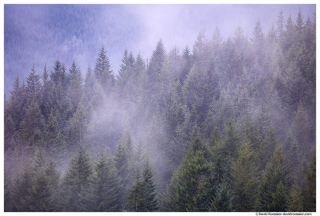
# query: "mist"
155,107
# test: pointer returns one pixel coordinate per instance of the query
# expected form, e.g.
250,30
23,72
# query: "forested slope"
228,125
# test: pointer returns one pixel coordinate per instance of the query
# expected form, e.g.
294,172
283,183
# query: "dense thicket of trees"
228,125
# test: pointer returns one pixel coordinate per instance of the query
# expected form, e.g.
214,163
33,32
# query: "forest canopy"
226,125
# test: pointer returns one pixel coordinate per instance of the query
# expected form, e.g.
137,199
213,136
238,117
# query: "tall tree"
309,190
275,185
76,181
105,186
33,86
102,71
244,178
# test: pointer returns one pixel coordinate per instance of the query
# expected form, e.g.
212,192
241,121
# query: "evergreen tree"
32,126
76,182
156,62
21,190
40,193
33,86
223,199
102,71
149,187
309,190
75,87
244,178
274,187
135,197
105,186
294,201
191,187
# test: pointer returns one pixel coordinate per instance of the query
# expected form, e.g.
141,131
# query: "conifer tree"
75,87
21,190
149,187
106,186
33,86
275,185
40,193
102,71
191,187
309,190
223,199
32,126
135,197
244,178
76,181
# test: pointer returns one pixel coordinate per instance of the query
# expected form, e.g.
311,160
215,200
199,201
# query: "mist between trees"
228,125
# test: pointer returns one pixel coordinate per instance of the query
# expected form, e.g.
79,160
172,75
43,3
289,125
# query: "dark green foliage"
76,182
244,178
135,197
106,186
309,190
150,192
191,187
142,197
223,199
275,185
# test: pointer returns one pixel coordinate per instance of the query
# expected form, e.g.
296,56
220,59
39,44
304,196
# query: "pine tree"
232,139
300,25
76,182
105,186
38,162
186,64
77,125
32,126
46,87
244,178
309,190
274,187
75,87
40,193
223,200
21,190
54,184
149,186
280,24
294,201
191,187
156,62
54,139
102,71
135,197
33,86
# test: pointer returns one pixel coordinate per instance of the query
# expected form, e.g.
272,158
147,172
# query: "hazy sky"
39,34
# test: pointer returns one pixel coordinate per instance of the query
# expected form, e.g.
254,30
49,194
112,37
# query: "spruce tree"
106,186
244,178
149,186
275,185
33,86
309,190
76,181
191,187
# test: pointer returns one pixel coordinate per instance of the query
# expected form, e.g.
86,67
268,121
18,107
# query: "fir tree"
76,181
309,190
244,178
105,186
274,187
